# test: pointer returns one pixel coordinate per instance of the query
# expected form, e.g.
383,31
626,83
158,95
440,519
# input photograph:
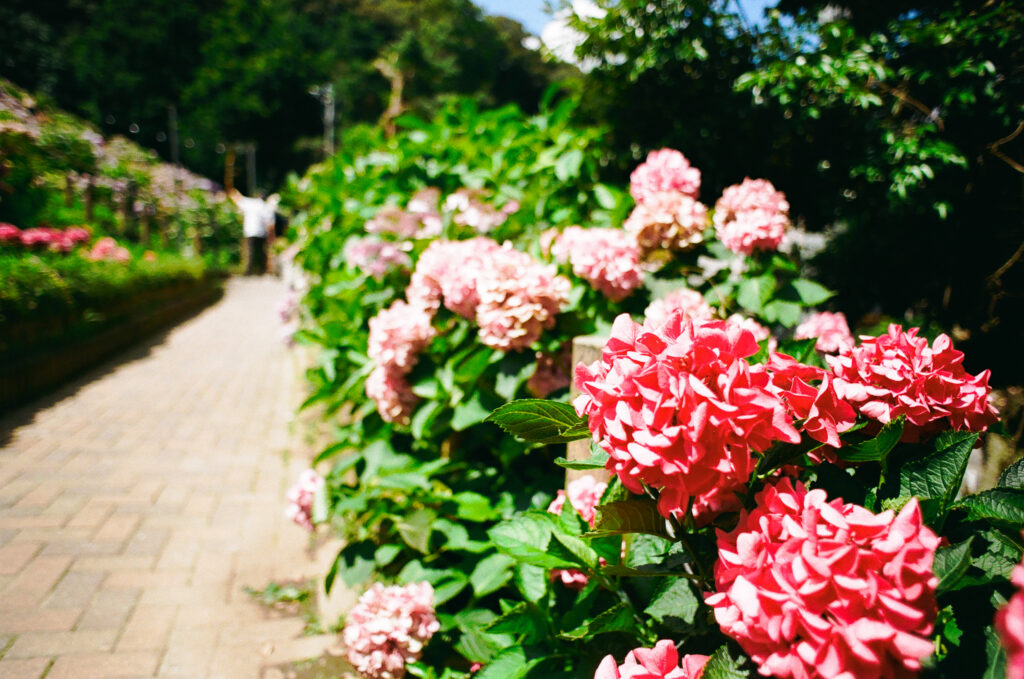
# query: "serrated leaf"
539,421
951,563
416,527
618,618
722,665
675,599
531,581
597,460
628,516
526,537
1013,476
995,656
491,573
516,620
572,548
811,293
877,448
1002,505
754,292
511,663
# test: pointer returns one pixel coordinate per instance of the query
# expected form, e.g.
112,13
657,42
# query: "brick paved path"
137,504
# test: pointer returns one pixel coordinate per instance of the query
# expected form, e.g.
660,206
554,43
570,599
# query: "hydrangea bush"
781,499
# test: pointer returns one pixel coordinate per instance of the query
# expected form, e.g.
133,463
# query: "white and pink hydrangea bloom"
817,588
660,662
300,498
388,629
469,207
830,329
376,257
107,249
689,303
667,221
608,259
751,216
1009,623
397,336
583,493
899,374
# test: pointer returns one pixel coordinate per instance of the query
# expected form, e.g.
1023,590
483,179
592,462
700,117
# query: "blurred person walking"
257,228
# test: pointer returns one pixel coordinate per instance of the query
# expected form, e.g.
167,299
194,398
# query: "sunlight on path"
134,510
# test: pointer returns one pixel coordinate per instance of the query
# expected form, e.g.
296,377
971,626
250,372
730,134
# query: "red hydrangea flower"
1010,625
663,171
899,374
678,407
824,414
812,588
690,302
660,662
9,233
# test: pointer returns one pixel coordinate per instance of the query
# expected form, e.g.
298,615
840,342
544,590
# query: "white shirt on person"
257,216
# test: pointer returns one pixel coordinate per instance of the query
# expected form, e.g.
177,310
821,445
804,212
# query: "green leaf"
490,574
515,620
538,420
995,654
722,665
573,549
939,474
786,313
526,537
474,507
321,505
531,581
877,448
629,516
354,563
1001,505
424,416
385,554
755,292
951,563
416,527
568,165
597,460
511,663
811,293
618,618
469,412
674,599
1013,476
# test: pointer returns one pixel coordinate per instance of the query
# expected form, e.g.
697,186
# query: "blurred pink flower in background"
751,216
667,220
666,170
300,498
608,259
689,303
831,330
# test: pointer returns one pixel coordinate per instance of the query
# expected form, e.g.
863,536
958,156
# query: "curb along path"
137,504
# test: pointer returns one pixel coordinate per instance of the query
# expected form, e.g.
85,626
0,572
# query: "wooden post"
88,199
144,220
585,349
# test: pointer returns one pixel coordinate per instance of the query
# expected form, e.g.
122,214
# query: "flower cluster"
899,374
469,208
510,295
397,335
1010,625
388,628
583,494
57,240
107,249
760,332
751,216
608,259
660,662
679,408
667,214
830,329
394,220
300,498
815,588
666,170
689,303
671,221
376,257
810,394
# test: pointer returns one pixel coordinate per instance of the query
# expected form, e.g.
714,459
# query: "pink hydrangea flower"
689,303
394,220
388,628
667,221
107,249
666,170
812,588
831,329
1010,625
9,233
376,257
660,662
760,332
300,498
424,206
823,413
397,336
448,271
470,209
608,259
899,374
679,408
751,216
583,493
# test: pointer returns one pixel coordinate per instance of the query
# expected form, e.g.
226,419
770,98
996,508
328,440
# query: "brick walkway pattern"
136,505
